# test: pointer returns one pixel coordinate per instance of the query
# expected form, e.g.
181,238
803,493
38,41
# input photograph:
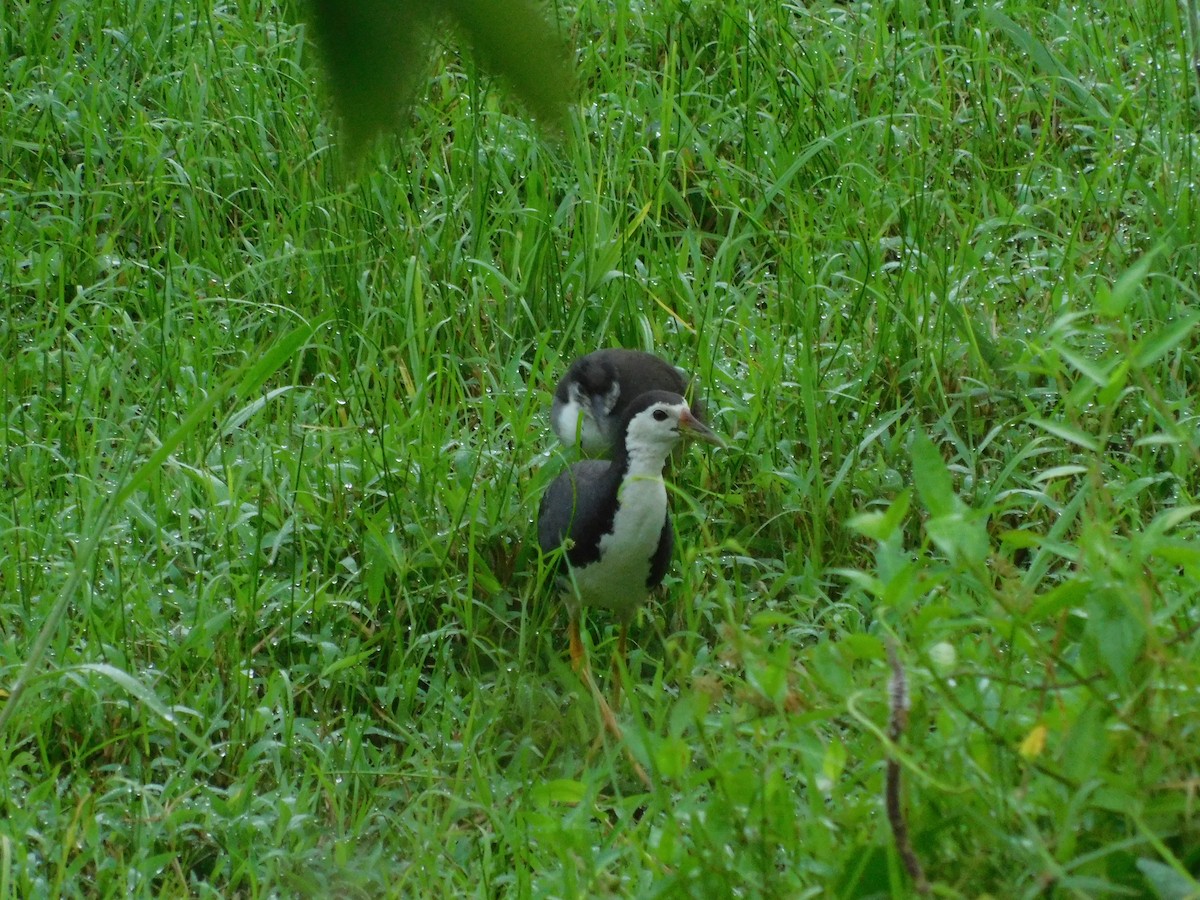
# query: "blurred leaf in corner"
375,53
512,40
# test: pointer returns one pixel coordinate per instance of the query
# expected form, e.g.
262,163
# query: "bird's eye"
660,415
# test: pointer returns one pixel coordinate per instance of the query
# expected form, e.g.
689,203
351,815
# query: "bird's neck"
644,462
641,505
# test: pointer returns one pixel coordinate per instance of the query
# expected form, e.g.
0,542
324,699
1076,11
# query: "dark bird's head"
594,395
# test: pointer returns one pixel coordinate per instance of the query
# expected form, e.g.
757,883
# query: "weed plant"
273,431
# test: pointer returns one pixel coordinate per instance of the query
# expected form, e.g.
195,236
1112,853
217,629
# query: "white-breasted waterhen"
612,519
594,394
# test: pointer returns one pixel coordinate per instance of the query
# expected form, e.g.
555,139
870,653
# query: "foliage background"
273,431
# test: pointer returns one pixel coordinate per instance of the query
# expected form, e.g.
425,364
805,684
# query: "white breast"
573,423
618,580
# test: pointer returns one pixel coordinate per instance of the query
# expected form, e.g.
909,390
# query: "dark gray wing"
579,505
661,560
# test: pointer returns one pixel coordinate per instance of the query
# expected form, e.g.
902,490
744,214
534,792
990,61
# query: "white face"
608,402
656,428
575,420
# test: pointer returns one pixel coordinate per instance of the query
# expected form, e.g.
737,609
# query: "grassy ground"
273,436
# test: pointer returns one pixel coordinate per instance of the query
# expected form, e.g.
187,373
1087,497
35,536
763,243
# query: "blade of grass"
240,385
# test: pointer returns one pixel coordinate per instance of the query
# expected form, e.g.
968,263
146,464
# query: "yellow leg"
580,663
619,664
578,658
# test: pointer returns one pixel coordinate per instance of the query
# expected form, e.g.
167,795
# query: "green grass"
936,271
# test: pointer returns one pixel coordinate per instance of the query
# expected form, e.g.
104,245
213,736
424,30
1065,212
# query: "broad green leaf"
1068,433
943,657
238,419
833,763
1089,368
1117,379
771,619
1056,472
1172,518
559,790
1019,538
962,536
347,662
871,524
932,478
1112,302
830,668
1167,883
957,531
672,756
769,678
1117,630
1085,746
862,646
1065,596
1157,345
880,526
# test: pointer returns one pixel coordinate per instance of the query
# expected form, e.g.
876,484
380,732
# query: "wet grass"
273,435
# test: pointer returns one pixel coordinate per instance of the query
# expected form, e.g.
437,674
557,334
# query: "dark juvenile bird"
595,393
612,516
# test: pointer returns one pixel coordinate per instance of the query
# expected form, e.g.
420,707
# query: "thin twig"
897,722
613,727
